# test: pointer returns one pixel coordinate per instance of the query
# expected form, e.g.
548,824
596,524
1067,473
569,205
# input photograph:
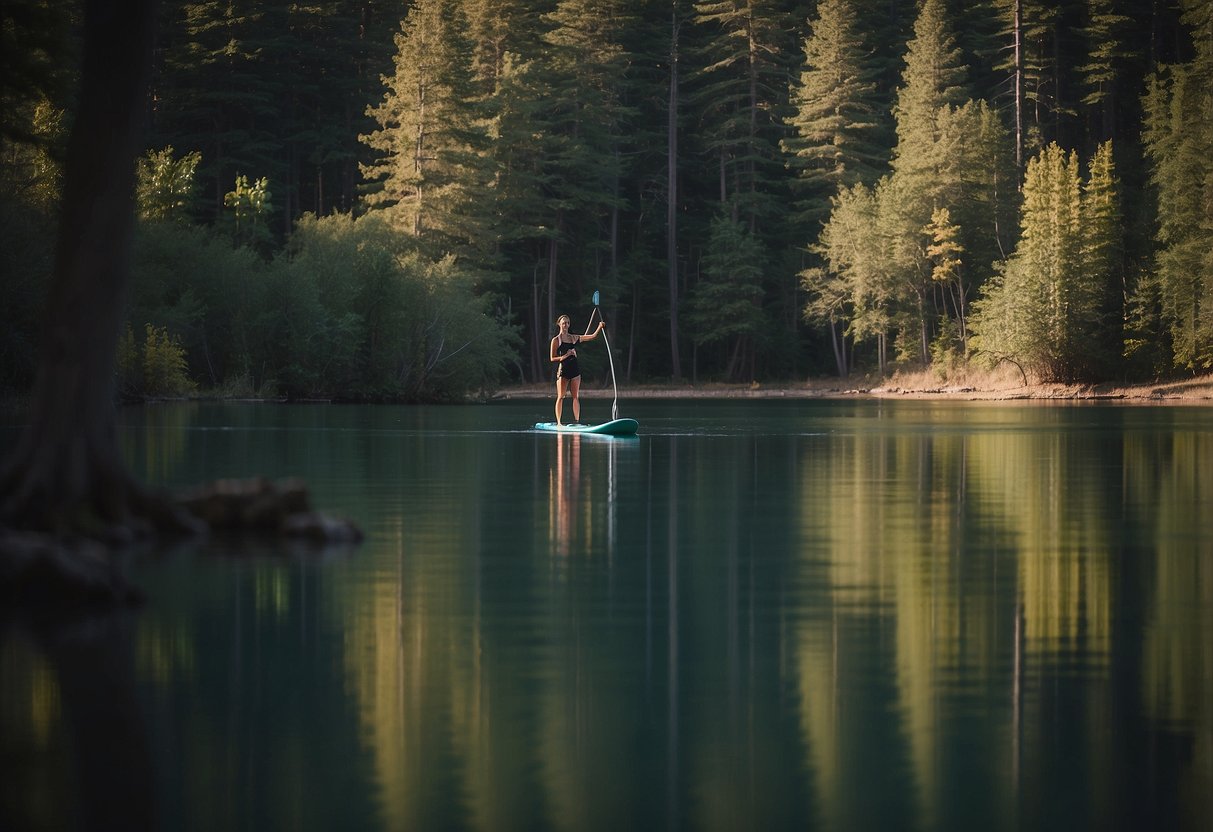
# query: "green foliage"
363,313
727,303
1179,145
742,95
273,86
856,286
250,206
1103,258
195,283
164,186
540,160
157,367
164,364
1048,310
934,78
1108,53
38,64
430,136
947,348
837,118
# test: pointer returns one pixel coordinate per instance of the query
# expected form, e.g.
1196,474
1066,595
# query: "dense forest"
373,200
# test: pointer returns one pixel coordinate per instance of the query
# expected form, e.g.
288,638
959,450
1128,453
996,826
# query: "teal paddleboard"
615,427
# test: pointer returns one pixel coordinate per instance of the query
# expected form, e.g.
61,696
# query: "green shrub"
164,365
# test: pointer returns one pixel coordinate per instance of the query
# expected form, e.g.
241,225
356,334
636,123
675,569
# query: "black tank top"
567,368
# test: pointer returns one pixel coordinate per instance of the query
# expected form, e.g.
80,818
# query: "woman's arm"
552,352
588,337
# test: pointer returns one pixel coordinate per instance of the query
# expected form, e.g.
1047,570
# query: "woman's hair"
563,318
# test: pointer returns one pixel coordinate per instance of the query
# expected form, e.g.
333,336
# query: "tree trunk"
671,245
66,473
840,358
1018,27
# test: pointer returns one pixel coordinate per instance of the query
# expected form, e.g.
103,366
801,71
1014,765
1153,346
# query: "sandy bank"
1197,390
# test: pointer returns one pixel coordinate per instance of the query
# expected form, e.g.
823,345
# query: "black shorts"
568,370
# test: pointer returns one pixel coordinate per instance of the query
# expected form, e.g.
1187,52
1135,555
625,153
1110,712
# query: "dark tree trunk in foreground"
66,474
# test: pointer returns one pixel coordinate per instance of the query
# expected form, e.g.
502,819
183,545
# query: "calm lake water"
756,615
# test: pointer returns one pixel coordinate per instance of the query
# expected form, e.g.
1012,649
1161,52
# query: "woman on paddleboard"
568,374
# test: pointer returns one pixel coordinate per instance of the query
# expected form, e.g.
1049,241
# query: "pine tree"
1035,39
726,306
588,116
743,89
520,196
1103,259
1108,52
924,173
741,97
563,122
425,171
836,113
1045,312
934,77
1179,144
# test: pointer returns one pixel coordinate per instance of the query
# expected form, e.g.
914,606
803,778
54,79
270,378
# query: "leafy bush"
206,292
358,312
164,365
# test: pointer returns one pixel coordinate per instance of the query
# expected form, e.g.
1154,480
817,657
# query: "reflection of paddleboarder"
565,486
568,374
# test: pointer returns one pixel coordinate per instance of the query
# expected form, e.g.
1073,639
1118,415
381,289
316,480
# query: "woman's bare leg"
559,398
575,385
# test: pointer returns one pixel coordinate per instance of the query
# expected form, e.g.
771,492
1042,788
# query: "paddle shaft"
607,339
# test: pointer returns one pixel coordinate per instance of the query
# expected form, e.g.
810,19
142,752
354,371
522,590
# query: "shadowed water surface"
828,615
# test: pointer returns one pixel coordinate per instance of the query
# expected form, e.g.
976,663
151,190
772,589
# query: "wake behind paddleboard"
615,427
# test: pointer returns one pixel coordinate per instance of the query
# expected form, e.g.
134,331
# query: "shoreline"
1197,390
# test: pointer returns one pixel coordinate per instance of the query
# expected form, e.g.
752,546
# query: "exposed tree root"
75,551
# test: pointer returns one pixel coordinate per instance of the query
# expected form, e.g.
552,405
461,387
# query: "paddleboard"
615,427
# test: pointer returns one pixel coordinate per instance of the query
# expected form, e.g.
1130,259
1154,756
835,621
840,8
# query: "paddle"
615,403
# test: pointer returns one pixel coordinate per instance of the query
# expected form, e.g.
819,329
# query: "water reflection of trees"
836,629
955,591
1050,514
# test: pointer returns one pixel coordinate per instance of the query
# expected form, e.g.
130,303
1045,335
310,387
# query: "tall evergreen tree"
429,140
934,77
498,29
562,143
1103,258
1108,54
1038,38
924,175
589,113
743,92
520,196
836,115
741,98
1013,65
673,106
1179,145
726,307
1046,310
275,88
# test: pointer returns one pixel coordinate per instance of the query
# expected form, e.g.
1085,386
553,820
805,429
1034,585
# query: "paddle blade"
595,297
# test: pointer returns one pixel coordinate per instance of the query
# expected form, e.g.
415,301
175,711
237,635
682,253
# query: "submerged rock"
258,505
